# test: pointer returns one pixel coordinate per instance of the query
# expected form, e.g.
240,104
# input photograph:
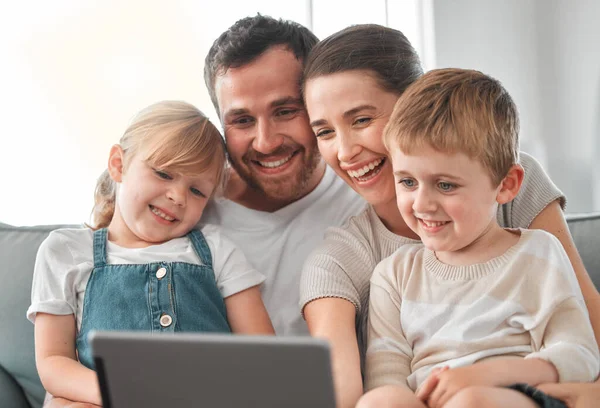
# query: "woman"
352,80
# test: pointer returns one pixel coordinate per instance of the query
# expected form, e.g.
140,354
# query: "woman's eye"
163,175
446,186
197,192
323,132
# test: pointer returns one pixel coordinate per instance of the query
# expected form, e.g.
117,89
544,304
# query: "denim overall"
156,297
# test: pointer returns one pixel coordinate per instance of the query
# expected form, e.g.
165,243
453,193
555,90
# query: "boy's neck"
493,242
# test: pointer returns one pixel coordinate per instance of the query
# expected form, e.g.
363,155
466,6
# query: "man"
280,197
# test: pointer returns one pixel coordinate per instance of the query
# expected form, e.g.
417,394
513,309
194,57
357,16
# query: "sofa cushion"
18,248
585,229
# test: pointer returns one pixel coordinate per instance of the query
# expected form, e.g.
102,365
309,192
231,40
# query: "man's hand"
442,385
575,395
51,402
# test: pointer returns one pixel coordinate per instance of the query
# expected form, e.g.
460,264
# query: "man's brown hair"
458,110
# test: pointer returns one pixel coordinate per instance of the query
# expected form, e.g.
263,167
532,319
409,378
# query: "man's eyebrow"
348,113
286,100
235,112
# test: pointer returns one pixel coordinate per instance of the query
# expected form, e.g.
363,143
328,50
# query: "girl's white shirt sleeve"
233,272
63,266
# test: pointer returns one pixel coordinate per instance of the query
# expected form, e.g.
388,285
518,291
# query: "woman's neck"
390,216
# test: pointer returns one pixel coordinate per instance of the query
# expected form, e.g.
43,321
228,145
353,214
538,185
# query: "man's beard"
276,188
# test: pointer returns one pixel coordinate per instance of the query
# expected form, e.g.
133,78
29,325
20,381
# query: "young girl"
143,266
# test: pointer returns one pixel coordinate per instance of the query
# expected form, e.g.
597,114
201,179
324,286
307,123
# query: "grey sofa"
19,384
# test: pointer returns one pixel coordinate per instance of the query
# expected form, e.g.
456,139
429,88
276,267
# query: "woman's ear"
115,163
511,184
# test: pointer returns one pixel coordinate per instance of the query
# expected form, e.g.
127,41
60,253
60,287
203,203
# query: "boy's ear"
115,163
511,184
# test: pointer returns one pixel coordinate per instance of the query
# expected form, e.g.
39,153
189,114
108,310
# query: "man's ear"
115,163
511,184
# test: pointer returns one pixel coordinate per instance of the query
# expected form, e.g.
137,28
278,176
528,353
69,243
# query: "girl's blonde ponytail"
104,201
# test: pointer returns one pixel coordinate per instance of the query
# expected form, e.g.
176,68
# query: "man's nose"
267,138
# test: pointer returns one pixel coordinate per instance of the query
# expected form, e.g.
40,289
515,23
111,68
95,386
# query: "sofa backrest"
18,248
585,229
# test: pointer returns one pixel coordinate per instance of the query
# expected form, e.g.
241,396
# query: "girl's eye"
408,183
163,175
197,192
444,186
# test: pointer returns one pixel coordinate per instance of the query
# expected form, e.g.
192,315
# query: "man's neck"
241,193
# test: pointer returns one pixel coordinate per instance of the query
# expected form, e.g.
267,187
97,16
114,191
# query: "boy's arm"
493,373
60,372
247,314
388,352
568,342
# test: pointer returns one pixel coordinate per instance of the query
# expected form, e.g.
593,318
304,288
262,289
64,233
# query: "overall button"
165,320
161,273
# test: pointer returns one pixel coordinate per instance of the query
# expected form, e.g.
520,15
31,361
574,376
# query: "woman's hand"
575,395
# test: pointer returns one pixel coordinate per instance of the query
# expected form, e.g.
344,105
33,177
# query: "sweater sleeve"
563,334
340,267
537,191
388,353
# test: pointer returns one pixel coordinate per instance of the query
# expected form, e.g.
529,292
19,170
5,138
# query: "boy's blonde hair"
171,135
457,110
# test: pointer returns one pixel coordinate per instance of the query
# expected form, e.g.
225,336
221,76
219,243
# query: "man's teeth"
433,224
161,214
273,164
364,170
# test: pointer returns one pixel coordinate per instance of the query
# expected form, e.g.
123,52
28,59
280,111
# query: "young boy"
478,314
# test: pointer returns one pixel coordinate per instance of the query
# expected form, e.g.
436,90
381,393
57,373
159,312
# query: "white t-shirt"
65,261
277,243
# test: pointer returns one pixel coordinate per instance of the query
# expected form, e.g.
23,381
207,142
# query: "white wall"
547,54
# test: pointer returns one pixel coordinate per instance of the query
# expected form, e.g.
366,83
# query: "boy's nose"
177,196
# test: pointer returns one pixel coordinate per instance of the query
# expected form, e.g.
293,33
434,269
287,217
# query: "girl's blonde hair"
173,136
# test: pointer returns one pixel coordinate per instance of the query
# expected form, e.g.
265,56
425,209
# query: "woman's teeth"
366,168
161,214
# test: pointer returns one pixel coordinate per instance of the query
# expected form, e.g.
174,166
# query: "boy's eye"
446,186
163,175
197,192
243,121
408,183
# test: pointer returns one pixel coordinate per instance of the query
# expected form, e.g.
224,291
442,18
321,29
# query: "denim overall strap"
100,238
201,247
155,297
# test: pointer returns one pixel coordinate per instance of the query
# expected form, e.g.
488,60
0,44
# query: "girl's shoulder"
77,242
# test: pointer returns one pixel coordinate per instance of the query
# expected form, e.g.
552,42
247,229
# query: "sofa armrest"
11,395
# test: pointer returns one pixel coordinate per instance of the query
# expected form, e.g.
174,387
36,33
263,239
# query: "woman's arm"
552,219
247,314
334,320
60,372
